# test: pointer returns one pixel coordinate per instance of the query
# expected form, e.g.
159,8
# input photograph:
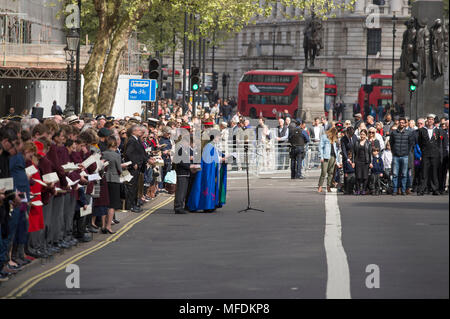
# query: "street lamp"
72,40
395,7
274,26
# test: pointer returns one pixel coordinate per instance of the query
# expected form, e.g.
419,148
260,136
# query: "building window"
297,41
252,37
374,38
261,36
279,37
288,37
379,2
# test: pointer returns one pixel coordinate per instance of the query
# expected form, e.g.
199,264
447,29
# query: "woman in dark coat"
112,175
362,152
101,202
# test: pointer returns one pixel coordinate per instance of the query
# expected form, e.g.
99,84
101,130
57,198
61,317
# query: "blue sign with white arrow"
142,90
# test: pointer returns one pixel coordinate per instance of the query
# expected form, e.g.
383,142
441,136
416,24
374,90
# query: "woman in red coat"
35,217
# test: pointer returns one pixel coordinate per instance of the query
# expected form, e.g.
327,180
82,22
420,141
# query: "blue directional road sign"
142,90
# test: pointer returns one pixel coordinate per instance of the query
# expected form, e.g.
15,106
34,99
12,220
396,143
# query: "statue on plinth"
312,39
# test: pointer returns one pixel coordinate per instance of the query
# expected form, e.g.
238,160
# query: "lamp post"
77,74
72,39
396,6
274,26
394,19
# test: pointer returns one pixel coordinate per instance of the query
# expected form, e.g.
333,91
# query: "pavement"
279,253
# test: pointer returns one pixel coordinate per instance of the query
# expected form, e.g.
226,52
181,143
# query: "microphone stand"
248,183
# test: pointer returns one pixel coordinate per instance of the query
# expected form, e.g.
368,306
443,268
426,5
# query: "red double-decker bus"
381,93
267,93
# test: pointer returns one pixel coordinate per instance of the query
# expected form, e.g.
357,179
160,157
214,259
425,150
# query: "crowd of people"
64,178
397,156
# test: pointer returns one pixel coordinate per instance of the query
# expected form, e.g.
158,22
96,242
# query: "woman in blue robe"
209,188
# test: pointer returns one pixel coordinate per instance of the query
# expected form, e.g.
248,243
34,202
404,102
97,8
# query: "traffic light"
215,80
153,69
413,76
224,79
195,78
368,88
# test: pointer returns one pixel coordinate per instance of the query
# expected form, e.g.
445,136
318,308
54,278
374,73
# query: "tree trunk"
119,42
110,77
107,12
93,71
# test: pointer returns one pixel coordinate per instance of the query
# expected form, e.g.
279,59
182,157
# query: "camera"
10,195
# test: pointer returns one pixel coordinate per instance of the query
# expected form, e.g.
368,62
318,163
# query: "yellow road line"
27,285
137,220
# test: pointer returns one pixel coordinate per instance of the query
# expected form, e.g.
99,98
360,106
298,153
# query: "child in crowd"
387,159
377,170
349,174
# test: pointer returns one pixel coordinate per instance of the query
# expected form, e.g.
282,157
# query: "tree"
128,22
106,11
156,22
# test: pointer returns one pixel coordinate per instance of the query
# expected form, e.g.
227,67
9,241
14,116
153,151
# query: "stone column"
311,96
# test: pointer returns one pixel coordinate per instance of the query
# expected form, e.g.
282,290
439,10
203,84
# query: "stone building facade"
344,40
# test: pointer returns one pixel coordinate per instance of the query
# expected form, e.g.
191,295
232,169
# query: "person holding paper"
134,152
4,215
87,148
101,203
72,147
69,197
17,224
57,222
113,172
45,166
76,156
35,217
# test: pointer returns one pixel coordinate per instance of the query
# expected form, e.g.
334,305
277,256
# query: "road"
278,253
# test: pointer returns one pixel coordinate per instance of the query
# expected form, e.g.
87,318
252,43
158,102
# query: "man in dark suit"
134,152
430,143
444,158
326,125
347,142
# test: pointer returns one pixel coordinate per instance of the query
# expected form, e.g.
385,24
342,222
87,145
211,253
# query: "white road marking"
338,283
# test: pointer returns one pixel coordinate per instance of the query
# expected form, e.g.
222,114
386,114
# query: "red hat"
40,148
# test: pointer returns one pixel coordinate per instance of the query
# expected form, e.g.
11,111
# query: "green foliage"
445,2
323,9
